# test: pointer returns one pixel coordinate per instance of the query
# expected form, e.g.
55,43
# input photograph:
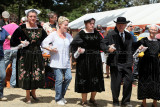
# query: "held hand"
25,43
141,47
33,41
112,48
81,50
54,50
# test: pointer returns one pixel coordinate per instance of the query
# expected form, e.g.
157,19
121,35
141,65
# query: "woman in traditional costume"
149,71
30,61
89,73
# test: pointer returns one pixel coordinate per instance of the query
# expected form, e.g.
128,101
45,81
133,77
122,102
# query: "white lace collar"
87,32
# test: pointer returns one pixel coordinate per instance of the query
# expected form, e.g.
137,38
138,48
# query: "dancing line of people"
22,45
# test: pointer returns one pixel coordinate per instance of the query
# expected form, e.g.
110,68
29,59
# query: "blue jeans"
2,75
11,56
61,85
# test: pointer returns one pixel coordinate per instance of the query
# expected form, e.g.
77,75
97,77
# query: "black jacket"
123,53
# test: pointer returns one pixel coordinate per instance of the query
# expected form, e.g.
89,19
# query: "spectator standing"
137,32
10,55
50,26
129,29
144,34
23,20
3,35
103,57
5,18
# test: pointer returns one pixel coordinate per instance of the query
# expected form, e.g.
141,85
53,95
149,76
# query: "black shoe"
35,98
127,105
116,105
93,102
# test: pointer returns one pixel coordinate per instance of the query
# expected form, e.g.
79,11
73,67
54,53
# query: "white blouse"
61,59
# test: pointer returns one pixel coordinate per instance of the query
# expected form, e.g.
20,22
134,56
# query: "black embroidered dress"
89,72
149,72
31,73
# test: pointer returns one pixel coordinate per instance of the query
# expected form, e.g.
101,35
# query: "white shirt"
61,59
122,35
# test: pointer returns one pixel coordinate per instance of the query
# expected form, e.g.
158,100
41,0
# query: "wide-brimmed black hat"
121,20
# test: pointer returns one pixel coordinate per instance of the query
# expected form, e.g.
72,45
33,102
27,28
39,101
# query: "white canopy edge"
138,15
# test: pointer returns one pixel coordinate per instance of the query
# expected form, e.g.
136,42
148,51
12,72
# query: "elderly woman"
149,71
3,35
89,73
60,59
30,61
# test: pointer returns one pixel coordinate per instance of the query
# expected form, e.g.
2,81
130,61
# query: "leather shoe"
35,98
127,105
116,105
93,102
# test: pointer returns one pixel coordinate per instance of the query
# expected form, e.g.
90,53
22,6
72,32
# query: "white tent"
138,15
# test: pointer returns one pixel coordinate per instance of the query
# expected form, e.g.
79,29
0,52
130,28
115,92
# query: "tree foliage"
19,6
70,8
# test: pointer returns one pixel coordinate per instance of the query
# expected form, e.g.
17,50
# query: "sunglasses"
130,26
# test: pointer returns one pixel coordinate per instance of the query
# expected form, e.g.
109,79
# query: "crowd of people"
23,46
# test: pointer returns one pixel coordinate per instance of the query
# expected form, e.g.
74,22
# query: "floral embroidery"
21,58
42,72
22,74
34,35
38,69
95,80
37,78
36,72
29,63
82,81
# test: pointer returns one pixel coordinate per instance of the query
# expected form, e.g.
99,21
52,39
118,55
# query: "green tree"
4,4
19,6
70,8
76,10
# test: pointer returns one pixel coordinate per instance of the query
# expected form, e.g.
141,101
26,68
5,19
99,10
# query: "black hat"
121,20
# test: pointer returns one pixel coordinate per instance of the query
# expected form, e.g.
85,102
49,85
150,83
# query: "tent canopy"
138,15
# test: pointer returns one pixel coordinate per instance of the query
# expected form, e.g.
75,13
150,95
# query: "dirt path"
16,97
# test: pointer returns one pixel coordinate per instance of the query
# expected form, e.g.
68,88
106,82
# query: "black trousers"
117,74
